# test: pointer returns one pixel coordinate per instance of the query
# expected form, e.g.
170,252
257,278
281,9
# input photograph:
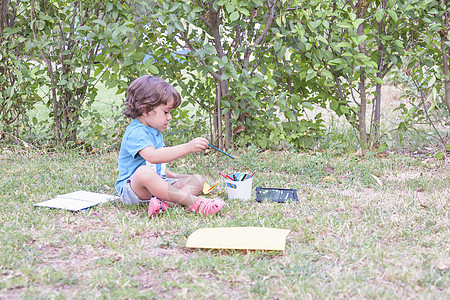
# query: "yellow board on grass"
250,238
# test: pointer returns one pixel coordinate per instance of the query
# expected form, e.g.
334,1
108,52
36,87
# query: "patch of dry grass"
365,227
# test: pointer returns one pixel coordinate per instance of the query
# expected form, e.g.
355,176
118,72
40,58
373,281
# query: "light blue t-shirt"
137,136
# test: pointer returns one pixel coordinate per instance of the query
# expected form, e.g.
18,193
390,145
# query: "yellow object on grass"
207,189
251,238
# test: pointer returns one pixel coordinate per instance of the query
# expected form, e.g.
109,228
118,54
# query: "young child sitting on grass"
143,176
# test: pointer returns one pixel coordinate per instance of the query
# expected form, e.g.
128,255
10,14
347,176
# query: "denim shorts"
129,197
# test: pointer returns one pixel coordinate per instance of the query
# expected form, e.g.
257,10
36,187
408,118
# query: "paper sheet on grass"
76,200
251,238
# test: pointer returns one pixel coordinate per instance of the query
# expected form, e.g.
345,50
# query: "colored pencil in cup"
226,176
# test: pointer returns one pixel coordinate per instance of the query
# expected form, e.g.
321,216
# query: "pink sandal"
211,206
156,206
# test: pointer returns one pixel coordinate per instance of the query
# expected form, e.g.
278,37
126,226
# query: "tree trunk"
228,128
362,112
447,84
377,115
218,118
3,23
228,131
445,62
4,4
222,85
48,63
362,6
375,130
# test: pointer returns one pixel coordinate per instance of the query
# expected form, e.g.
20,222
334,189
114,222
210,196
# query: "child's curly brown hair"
148,92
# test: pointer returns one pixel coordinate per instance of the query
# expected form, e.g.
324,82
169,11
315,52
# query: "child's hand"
198,144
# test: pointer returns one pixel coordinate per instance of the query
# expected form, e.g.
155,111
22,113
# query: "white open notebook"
76,201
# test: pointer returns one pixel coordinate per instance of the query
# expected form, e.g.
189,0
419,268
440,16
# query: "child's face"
159,117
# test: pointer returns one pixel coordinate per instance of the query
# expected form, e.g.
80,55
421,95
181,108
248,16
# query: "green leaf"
290,115
327,74
179,25
371,64
344,109
357,22
234,16
336,61
343,45
307,105
379,15
170,28
229,8
447,147
243,11
361,39
98,70
393,15
152,69
282,52
277,45
322,39
382,147
127,62
100,22
210,49
83,28
271,82
378,80
439,155
398,44
432,81
310,74
115,34
174,7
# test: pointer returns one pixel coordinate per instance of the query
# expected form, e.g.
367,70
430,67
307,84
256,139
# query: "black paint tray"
276,195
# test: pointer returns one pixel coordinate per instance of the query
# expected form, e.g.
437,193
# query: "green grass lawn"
364,227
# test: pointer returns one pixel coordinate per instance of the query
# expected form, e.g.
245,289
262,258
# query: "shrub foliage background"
251,71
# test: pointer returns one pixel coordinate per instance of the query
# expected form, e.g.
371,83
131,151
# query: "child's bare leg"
145,182
192,184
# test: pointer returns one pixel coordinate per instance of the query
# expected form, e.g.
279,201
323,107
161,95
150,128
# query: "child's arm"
166,154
